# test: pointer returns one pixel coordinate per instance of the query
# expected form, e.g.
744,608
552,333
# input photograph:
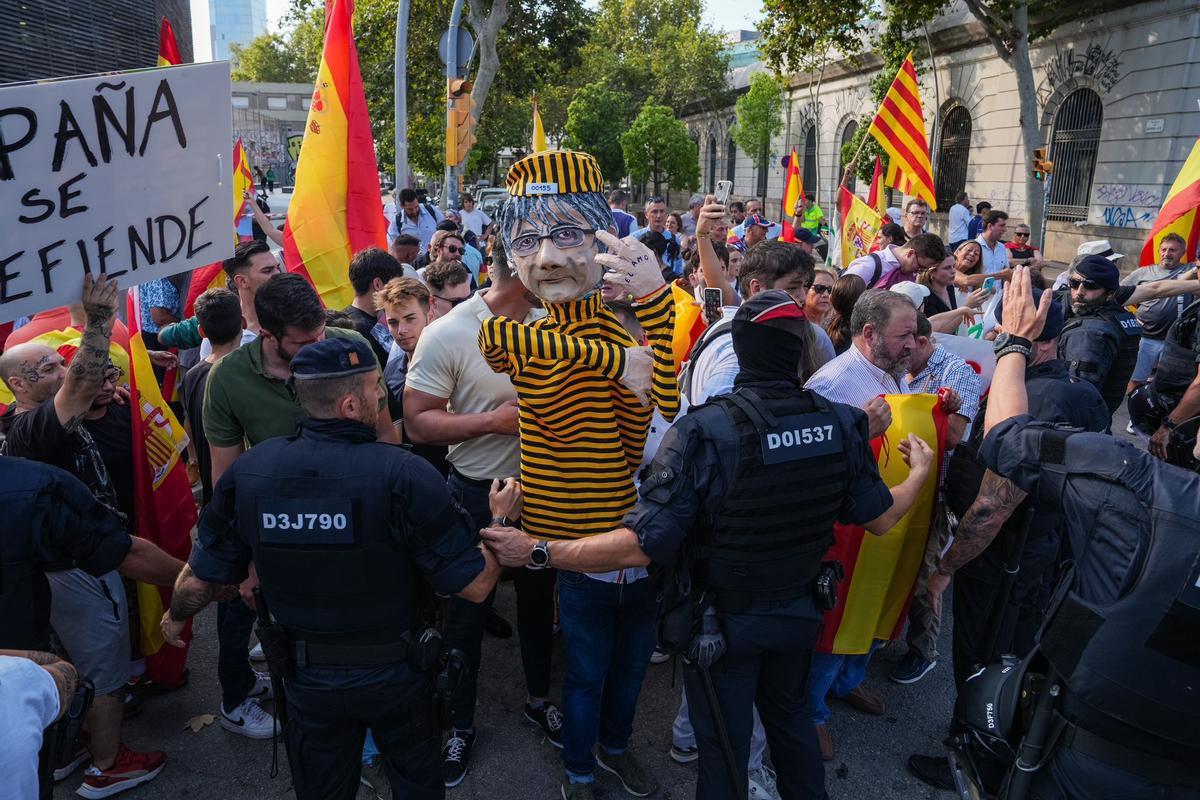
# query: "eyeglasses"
453,301
1075,283
453,250
112,374
821,288
564,238
1022,234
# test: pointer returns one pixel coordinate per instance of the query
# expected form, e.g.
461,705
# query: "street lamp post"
403,179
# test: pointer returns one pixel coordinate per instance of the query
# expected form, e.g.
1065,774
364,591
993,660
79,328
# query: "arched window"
808,163
954,149
730,161
1073,145
847,136
712,163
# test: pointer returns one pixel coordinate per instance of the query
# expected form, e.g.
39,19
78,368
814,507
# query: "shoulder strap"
754,408
711,334
878,270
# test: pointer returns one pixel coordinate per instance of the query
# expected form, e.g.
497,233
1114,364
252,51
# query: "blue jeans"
610,634
234,623
834,674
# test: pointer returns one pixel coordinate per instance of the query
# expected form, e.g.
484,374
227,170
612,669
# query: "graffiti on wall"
1125,205
1095,62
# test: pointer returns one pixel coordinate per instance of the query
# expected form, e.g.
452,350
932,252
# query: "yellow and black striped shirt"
582,431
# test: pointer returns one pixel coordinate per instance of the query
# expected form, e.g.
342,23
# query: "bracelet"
503,522
1013,348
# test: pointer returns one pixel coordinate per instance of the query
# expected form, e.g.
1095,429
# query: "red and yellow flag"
539,132
881,571
336,209
168,50
793,190
1180,212
860,226
164,508
899,127
66,342
212,276
875,198
689,324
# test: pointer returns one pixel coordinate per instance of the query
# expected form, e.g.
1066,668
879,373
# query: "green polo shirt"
243,404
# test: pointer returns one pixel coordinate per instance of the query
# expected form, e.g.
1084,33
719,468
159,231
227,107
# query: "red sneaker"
130,769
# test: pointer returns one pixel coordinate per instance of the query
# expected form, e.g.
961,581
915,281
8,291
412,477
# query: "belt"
307,654
1137,762
733,601
485,483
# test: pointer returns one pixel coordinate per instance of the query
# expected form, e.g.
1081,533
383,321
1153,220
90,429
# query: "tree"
269,59
759,117
590,126
657,148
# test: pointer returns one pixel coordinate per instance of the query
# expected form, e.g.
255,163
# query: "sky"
722,15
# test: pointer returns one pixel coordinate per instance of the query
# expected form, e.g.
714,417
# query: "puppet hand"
630,265
639,373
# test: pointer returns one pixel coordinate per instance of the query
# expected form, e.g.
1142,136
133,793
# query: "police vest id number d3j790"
318,520
802,436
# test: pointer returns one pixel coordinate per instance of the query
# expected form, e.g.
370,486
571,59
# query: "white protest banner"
976,352
126,174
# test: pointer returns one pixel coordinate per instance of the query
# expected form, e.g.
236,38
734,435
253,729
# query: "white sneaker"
762,784
263,690
256,653
249,720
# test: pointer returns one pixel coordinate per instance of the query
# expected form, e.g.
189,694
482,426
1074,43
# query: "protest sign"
126,174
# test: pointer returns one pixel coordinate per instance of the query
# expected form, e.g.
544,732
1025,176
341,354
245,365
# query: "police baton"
718,718
1012,566
270,635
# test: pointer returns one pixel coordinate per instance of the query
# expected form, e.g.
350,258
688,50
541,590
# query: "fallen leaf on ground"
199,721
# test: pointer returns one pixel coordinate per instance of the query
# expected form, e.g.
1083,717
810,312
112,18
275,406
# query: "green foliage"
269,58
793,36
657,148
759,117
590,126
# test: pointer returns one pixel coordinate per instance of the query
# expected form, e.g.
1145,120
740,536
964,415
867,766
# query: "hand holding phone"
712,304
724,190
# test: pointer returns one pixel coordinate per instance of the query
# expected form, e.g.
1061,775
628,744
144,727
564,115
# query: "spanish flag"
212,276
168,50
336,209
793,190
881,571
539,133
689,324
1180,212
860,226
875,198
66,342
164,508
899,127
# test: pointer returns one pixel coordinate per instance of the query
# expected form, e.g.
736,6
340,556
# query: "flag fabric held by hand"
899,127
793,190
336,209
860,226
168,50
875,198
1180,212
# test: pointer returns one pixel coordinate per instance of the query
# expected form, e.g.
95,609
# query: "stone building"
1119,102
269,118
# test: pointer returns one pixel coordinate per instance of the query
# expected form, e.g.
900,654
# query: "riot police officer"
1158,408
342,530
1100,339
745,490
1120,698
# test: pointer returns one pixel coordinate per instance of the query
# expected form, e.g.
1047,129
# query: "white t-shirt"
476,220
447,363
29,699
960,218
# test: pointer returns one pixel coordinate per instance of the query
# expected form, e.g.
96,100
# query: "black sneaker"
549,719
456,755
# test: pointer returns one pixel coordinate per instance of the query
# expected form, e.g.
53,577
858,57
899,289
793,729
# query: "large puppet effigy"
586,389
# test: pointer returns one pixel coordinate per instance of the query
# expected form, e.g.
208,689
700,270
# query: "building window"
240,101
808,169
730,160
847,136
277,103
1073,145
712,163
954,149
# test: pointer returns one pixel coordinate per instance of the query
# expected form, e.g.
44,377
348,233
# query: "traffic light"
1041,166
460,120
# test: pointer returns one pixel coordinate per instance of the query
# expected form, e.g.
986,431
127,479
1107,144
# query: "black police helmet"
987,705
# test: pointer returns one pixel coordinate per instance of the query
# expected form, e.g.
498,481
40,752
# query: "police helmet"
1181,444
1146,409
987,706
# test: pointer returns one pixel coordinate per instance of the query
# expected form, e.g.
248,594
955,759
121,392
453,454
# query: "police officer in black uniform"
748,487
343,531
1100,340
1120,638
1158,408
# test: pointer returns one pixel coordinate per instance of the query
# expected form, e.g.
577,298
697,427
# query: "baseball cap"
806,236
333,358
757,219
1099,247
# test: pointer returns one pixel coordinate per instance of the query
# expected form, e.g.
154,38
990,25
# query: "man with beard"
1100,339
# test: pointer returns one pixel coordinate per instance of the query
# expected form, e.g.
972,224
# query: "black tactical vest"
325,528
1123,632
776,521
1086,342
1177,364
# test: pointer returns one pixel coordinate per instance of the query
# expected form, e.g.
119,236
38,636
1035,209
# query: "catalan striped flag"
336,209
875,198
164,508
899,127
168,50
212,276
1180,212
539,132
881,571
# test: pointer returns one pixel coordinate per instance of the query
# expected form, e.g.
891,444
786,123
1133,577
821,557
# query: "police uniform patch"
304,520
802,436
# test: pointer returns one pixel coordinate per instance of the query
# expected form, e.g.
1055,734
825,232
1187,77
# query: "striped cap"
554,172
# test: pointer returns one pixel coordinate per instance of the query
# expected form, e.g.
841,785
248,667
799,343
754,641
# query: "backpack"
875,276
713,332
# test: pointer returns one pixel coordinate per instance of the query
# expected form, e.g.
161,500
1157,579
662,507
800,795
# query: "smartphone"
989,285
712,304
724,190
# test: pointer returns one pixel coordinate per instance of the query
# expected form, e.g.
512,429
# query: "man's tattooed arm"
86,376
191,594
998,499
64,674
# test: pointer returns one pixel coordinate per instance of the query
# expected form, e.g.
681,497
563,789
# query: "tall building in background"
235,22
57,38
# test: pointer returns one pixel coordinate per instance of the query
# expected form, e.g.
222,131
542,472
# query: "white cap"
915,292
1099,247
895,215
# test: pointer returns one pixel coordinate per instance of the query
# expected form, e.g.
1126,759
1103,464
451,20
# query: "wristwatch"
503,522
1169,424
539,557
1007,343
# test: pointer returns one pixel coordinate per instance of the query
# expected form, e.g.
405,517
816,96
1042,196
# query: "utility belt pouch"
447,684
825,588
425,650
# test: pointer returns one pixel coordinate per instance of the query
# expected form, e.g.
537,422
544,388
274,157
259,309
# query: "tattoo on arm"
191,594
66,679
998,498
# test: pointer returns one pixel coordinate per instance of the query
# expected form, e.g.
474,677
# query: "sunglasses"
1022,234
564,238
453,301
821,288
452,249
1075,283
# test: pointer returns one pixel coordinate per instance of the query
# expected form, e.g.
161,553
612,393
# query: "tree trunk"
487,31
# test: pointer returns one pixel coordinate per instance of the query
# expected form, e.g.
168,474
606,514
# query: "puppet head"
548,224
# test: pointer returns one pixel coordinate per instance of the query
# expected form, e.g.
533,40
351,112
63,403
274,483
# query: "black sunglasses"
453,250
453,301
1075,283
1022,234
821,288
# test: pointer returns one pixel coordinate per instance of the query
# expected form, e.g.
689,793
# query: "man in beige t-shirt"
452,397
